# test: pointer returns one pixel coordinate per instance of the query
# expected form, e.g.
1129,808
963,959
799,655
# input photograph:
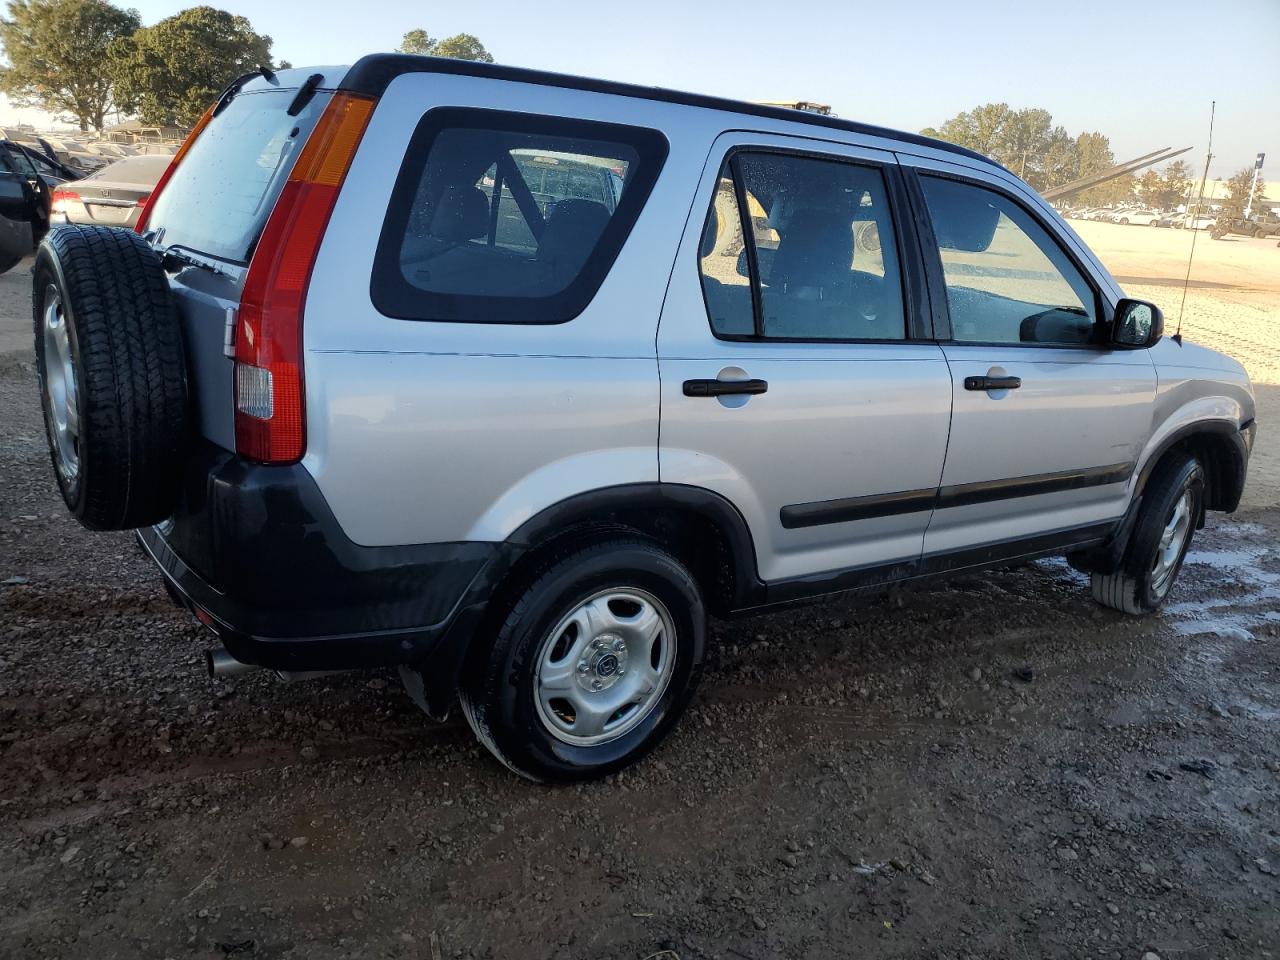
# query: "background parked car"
1199,221
1139,216
1166,220
113,196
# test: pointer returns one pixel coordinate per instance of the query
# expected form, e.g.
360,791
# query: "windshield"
222,192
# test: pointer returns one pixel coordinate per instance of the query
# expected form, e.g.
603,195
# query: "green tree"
58,56
169,73
1028,142
1238,187
461,46
1151,189
1177,182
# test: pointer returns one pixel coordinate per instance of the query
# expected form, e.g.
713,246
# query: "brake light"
270,417
148,201
59,198
143,200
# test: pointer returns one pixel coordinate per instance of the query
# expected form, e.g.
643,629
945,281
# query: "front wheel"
593,661
1158,544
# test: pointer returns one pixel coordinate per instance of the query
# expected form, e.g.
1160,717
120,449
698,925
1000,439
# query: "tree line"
85,60
1044,154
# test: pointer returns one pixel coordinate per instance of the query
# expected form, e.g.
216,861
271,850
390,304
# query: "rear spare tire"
112,375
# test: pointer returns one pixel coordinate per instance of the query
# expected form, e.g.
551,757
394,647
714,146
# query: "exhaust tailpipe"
221,664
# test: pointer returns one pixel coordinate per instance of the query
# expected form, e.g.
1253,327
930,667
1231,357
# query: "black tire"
1132,588
1125,221
497,690
127,365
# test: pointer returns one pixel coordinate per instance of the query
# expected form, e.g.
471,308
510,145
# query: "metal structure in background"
1253,186
1111,173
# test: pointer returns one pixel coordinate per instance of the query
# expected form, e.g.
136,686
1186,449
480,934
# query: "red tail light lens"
59,199
147,201
270,419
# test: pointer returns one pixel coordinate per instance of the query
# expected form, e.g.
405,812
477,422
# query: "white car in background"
1201,221
1145,218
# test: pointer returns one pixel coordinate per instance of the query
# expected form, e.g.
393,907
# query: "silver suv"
509,379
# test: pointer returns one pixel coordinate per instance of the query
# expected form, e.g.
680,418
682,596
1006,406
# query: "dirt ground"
987,767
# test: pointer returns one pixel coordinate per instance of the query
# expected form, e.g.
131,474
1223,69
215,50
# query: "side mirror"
1137,325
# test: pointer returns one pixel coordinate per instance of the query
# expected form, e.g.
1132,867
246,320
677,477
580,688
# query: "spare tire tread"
132,377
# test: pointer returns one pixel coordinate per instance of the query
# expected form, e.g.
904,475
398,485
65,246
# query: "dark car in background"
112,197
25,188
1266,225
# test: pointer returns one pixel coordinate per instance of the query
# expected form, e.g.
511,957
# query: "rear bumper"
256,552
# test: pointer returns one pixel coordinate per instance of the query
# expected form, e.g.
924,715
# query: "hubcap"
605,666
1172,540
60,386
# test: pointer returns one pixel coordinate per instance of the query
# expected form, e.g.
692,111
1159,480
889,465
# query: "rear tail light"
60,198
143,200
270,419
148,201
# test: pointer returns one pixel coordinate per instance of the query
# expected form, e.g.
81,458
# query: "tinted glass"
1007,280
725,281
219,197
824,247
510,218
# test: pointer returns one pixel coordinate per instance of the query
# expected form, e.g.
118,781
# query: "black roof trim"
372,74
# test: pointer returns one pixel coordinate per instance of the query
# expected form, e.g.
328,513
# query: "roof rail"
372,74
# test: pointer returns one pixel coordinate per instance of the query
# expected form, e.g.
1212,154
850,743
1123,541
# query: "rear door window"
818,260
219,197
510,218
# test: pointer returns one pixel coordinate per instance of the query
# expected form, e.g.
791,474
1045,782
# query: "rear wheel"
1158,544
593,662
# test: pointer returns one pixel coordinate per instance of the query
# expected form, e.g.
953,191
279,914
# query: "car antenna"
1186,282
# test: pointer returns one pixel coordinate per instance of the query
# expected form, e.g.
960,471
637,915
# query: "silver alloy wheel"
605,666
1172,540
60,385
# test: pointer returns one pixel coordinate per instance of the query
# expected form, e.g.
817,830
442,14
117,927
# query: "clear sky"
1141,71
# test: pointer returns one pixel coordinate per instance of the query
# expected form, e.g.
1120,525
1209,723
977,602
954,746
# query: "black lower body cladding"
258,550
112,375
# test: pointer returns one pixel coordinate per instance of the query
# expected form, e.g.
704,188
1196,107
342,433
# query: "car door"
798,376
20,215
1047,420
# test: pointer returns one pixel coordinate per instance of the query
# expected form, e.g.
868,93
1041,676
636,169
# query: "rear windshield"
141,170
220,195
510,218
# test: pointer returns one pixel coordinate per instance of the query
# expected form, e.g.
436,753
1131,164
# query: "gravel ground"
987,767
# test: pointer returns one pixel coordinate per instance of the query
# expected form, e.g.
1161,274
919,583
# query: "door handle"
992,383
724,388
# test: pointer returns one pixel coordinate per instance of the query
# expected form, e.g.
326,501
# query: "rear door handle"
724,388
992,383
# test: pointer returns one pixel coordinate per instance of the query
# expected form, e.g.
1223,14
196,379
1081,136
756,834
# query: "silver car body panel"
839,420
431,432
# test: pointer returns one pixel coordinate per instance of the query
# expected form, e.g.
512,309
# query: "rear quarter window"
500,217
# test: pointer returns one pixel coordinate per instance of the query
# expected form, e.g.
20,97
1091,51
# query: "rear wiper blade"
175,254
233,88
